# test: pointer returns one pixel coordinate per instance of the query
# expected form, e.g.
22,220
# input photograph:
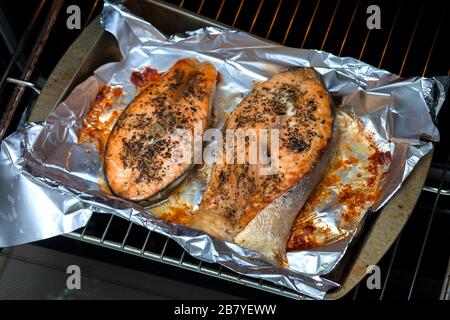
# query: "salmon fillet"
143,154
254,210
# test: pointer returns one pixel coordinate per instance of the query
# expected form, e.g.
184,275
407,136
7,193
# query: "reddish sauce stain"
94,130
380,158
375,161
307,235
351,160
142,78
309,229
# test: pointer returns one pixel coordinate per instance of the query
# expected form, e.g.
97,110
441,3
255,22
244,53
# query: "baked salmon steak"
143,154
256,210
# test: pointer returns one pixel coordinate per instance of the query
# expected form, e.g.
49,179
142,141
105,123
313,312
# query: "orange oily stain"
308,230
95,130
143,154
297,104
175,214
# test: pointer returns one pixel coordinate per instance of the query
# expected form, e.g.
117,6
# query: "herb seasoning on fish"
237,202
139,158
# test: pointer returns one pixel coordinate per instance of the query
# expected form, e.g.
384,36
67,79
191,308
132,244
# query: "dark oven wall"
411,41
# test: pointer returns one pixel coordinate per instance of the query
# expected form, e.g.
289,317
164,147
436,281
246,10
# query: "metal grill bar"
124,241
355,293
411,40
442,192
361,53
145,242
237,13
91,12
182,257
85,227
164,248
179,262
290,22
37,50
200,7
256,16
330,24
427,233
274,18
391,263
391,31
102,239
349,27
6,33
26,84
436,33
20,45
310,23
445,292
220,10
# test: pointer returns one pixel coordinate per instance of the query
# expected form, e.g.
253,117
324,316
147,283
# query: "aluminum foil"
50,183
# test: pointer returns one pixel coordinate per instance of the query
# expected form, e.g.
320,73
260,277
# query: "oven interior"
128,261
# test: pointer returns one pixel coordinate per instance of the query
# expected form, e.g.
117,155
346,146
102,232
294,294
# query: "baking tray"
95,47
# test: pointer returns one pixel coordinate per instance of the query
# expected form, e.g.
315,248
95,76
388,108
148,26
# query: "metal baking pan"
95,47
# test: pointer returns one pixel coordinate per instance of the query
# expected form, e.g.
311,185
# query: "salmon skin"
139,157
257,211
